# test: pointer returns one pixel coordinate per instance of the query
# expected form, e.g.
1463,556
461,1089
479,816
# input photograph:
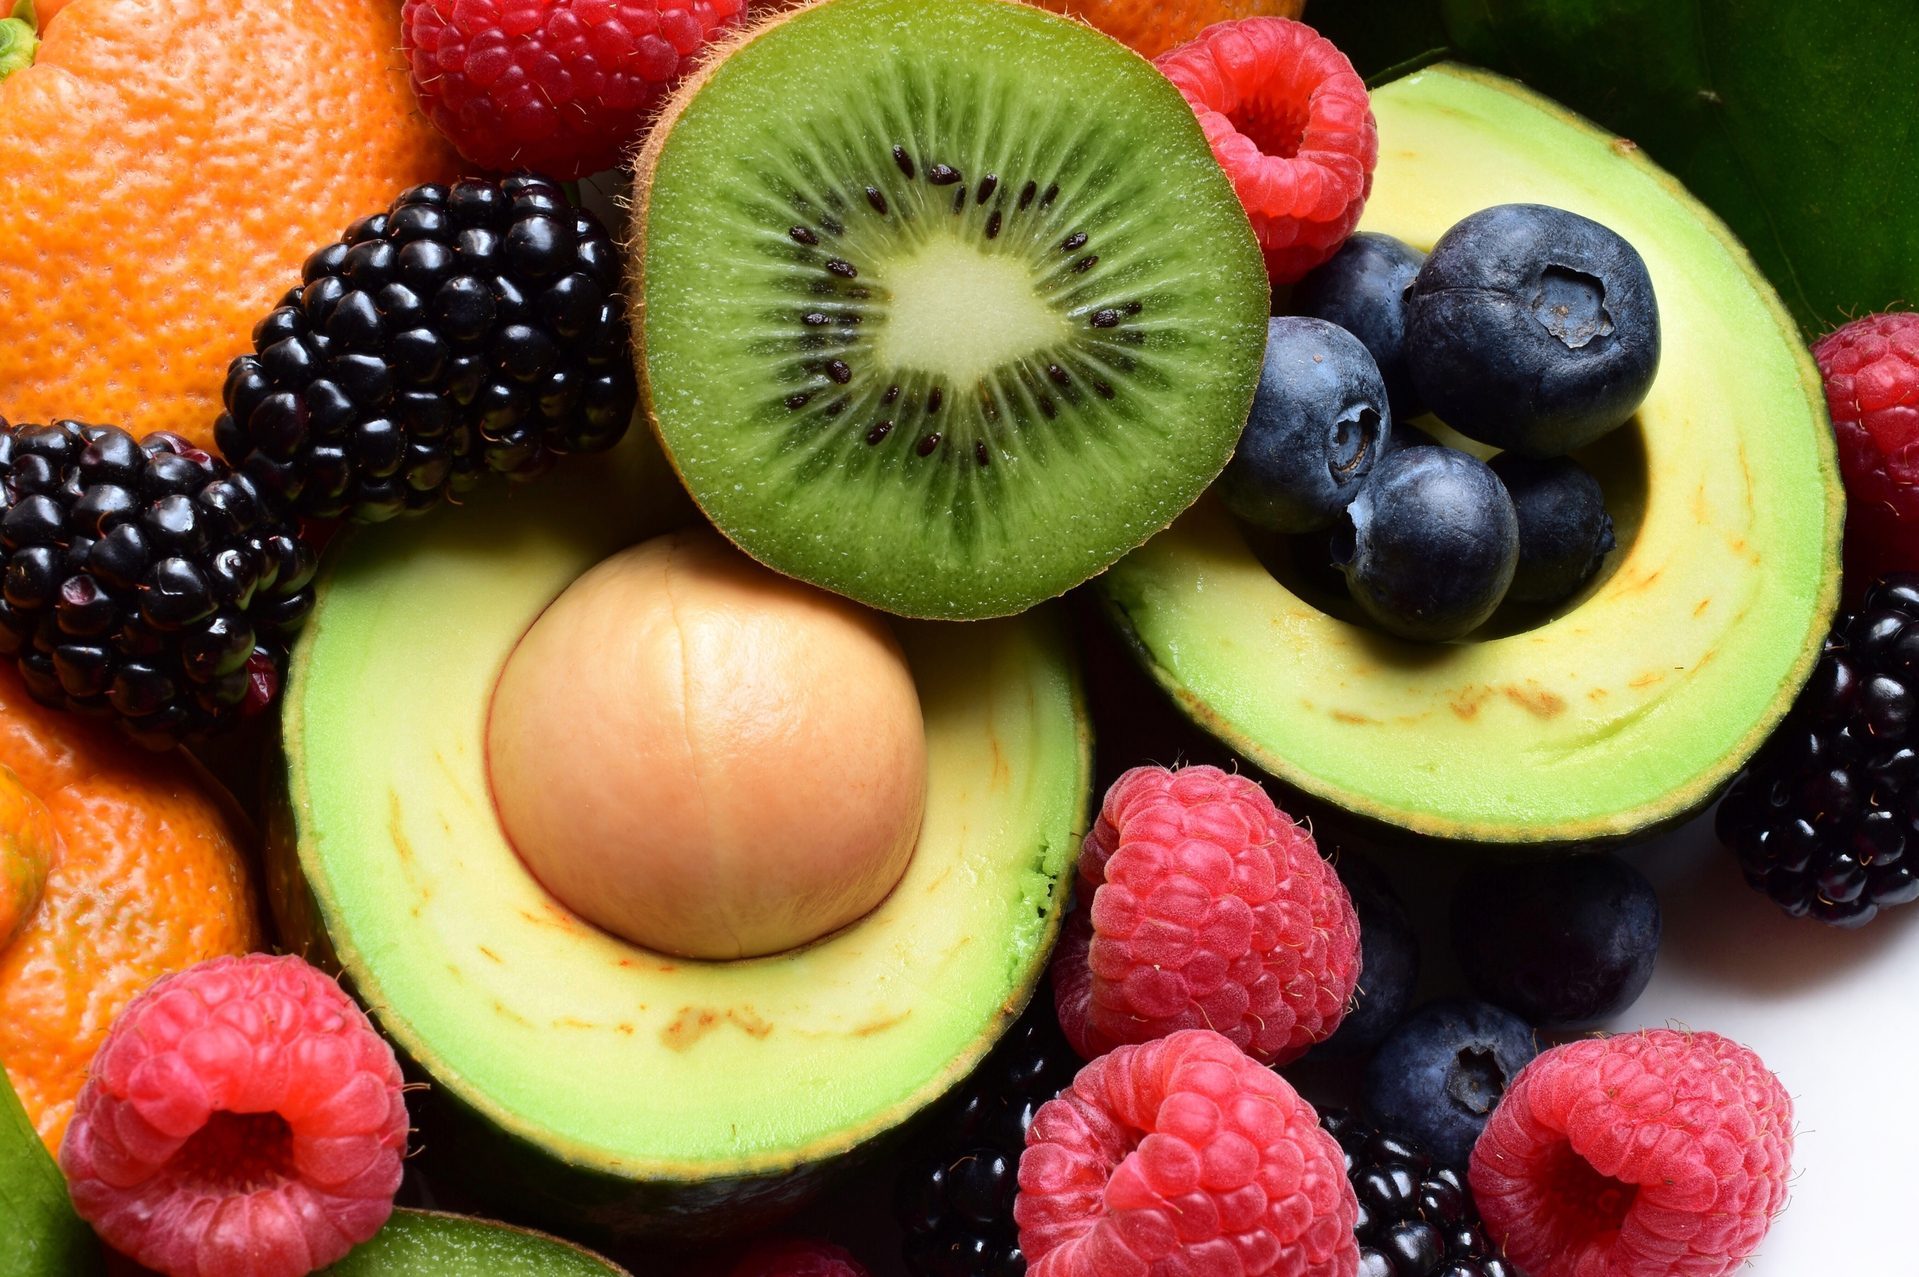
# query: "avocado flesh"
613,1084
417,1243
1634,706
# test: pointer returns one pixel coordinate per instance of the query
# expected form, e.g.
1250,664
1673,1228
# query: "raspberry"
1209,909
567,85
1183,1156
241,1117
1656,1154
797,1257
1289,119
1872,387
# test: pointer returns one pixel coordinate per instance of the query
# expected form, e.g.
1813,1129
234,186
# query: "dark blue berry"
1532,329
1363,290
1564,530
1389,962
1319,424
1560,943
1429,545
1442,1072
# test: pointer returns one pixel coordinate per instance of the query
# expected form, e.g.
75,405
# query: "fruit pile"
611,490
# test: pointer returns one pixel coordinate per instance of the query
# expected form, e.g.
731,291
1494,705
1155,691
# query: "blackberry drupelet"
1415,1219
472,328
144,579
1822,818
958,1184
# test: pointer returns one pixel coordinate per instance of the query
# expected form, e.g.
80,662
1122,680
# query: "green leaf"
40,1236
1796,122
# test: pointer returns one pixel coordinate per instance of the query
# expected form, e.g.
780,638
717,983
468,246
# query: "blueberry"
1429,545
1532,329
1563,943
1442,1072
1320,421
1405,436
1389,962
1363,290
1564,530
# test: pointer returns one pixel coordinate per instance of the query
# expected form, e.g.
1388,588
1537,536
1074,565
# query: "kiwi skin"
646,161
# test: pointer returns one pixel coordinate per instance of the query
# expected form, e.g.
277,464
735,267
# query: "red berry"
1183,1156
1655,1154
242,1117
565,86
797,1257
1289,119
1872,387
1210,909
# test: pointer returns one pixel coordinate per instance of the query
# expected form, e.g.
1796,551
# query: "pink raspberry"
1872,387
1655,1154
564,86
242,1118
1183,1156
1209,909
1290,122
797,1257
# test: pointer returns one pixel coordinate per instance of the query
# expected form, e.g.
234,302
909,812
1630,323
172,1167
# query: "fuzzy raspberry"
1872,388
797,1257
1290,121
566,86
1656,1154
1183,1156
242,1117
1210,909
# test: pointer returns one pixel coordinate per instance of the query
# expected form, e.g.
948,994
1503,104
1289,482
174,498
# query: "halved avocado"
419,1243
595,1083
1633,706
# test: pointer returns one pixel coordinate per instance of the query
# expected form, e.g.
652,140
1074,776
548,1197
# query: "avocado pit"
706,758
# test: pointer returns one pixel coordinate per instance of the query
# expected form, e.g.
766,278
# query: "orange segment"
170,164
1154,26
148,878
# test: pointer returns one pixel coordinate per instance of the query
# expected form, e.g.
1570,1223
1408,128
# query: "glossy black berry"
144,579
1416,1218
956,1190
468,329
1823,817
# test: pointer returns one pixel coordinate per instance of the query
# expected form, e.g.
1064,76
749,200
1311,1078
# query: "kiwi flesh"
945,304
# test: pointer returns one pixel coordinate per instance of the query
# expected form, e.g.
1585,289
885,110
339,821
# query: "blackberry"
958,1184
1822,817
1416,1219
143,579
472,328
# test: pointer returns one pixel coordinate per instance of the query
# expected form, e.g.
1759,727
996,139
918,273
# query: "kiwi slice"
945,304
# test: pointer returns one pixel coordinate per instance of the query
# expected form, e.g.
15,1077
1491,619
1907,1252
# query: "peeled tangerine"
706,758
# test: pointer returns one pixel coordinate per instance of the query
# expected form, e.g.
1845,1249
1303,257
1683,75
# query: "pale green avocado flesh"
418,1243
960,390
687,1082
1628,709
